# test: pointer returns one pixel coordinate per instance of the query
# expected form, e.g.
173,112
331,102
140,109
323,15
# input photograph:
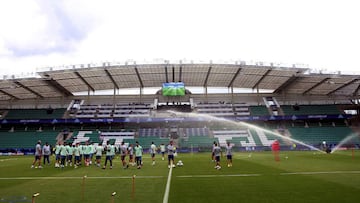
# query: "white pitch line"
38,178
211,176
125,177
321,172
73,177
2,160
167,189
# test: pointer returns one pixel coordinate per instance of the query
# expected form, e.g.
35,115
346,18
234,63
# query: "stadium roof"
66,82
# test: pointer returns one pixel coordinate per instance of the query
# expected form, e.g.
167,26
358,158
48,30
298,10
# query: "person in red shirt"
275,147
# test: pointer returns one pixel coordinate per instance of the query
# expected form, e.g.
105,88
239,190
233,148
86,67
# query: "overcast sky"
324,34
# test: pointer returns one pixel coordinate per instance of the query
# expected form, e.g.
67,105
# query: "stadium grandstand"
193,104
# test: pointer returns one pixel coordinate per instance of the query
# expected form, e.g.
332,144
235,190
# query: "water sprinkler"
112,196
133,187
34,196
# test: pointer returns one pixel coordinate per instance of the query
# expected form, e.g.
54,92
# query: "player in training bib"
138,155
57,155
77,155
63,154
38,152
171,150
98,153
217,153
162,150
87,152
228,149
153,152
108,151
123,152
131,155
70,152
46,151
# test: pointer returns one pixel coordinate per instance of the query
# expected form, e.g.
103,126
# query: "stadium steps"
35,114
259,111
316,135
265,138
26,140
118,136
86,135
153,132
242,141
145,142
311,110
60,137
225,135
196,132
200,141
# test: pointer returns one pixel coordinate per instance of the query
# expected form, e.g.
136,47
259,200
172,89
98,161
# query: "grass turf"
302,177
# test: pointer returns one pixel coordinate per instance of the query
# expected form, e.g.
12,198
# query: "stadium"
313,115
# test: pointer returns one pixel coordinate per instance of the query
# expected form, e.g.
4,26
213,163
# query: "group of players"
84,153
217,153
69,154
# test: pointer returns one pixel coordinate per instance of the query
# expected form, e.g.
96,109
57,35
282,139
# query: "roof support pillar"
114,96
88,96
258,95
232,94
206,94
140,95
36,102
173,74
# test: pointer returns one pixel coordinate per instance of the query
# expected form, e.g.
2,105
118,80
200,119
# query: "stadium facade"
290,101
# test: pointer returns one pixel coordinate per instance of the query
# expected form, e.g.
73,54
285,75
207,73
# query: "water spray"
344,141
279,135
209,117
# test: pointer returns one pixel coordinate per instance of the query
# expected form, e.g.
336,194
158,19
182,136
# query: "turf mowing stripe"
321,172
211,176
167,189
73,177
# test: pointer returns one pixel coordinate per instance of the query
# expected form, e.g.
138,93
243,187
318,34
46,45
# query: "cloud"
41,27
323,34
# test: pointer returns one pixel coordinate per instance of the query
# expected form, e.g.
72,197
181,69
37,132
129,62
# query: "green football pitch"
172,91
305,176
